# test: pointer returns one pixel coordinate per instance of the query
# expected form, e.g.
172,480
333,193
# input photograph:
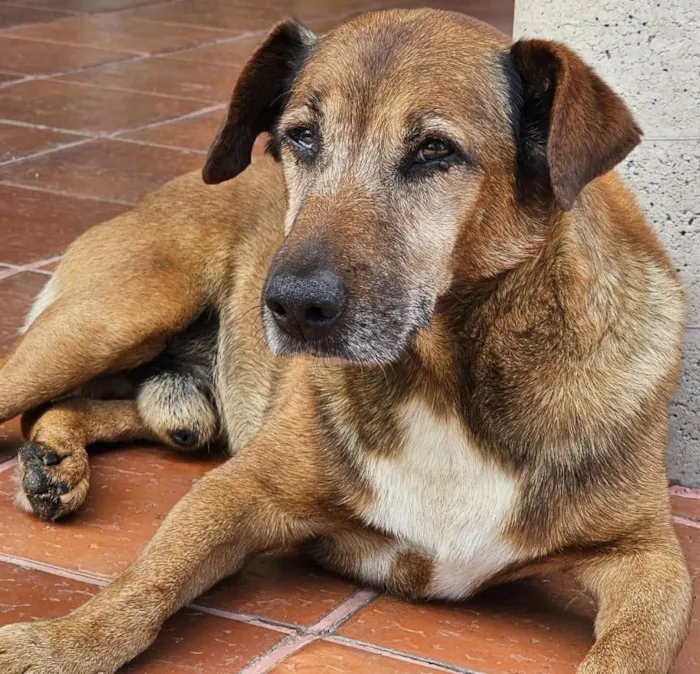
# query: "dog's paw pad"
51,485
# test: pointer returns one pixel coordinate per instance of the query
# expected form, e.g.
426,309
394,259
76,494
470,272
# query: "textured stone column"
649,51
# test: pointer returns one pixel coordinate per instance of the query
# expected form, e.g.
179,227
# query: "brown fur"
515,295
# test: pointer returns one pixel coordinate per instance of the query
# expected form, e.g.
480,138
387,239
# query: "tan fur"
494,403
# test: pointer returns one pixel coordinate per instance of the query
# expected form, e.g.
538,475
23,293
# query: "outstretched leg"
267,496
645,598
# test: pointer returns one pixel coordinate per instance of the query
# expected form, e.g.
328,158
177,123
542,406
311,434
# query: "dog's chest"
439,497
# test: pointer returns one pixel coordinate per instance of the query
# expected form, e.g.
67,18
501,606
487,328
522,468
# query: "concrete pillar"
649,52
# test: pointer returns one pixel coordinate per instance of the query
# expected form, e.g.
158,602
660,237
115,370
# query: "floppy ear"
258,99
573,127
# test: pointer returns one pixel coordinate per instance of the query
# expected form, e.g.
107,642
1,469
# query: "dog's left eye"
433,151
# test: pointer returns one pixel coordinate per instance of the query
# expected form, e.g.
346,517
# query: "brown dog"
475,335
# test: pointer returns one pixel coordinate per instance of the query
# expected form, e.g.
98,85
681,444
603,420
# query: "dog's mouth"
365,339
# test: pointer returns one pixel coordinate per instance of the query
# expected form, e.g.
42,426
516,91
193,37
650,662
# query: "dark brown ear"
258,99
569,118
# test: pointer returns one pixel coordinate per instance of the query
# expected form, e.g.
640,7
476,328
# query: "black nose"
306,306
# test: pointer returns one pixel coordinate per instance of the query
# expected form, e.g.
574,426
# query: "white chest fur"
439,497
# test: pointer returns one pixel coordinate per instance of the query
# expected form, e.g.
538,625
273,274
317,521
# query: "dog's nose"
306,306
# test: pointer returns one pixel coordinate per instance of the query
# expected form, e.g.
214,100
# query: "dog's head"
417,146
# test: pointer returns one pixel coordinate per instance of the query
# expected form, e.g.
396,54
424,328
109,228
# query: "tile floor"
100,102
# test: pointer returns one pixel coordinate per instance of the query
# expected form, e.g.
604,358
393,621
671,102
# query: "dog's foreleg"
645,598
53,472
264,497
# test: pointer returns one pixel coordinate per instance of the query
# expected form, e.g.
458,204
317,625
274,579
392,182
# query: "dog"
432,327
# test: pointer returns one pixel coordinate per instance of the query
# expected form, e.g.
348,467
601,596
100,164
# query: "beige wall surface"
649,51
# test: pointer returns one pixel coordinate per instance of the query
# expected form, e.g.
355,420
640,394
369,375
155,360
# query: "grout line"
6,465
398,655
65,79
277,654
51,76
160,146
202,111
101,580
59,193
29,267
686,521
10,271
245,618
43,127
342,612
41,153
87,137
32,565
36,266
685,492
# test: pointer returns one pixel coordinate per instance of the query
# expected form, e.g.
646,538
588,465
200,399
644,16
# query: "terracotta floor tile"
689,659
542,627
247,15
190,641
31,595
234,53
12,15
193,133
237,52
10,436
19,141
324,656
120,33
204,82
74,107
88,6
685,506
104,169
29,57
37,225
523,629
205,644
131,491
16,296
284,588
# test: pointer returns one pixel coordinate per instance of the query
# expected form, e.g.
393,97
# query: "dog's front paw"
23,650
52,482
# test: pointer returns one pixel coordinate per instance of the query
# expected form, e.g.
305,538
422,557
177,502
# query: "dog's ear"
258,99
571,126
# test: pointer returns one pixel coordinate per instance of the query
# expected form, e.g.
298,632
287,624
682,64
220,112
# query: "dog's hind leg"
121,290
645,597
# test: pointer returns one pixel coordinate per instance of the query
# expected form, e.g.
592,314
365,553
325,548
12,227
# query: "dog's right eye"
303,138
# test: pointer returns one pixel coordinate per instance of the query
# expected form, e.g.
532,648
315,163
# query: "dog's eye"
433,151
303,137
